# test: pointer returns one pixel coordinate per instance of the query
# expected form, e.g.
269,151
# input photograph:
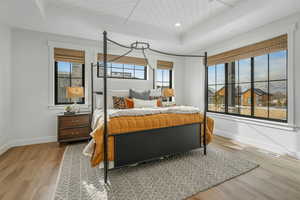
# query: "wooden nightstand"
73,127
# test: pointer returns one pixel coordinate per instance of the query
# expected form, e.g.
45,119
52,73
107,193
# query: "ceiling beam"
132,11
40,4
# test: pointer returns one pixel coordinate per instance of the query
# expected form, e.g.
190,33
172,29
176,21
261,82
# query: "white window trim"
259,122
290,125
89,58
291,79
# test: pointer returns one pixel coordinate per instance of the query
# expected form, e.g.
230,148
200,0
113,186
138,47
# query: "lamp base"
69,113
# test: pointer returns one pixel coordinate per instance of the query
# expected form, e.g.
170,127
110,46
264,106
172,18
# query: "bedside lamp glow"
168,92
75,93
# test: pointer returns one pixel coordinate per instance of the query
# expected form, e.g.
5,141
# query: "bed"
141,134
129,136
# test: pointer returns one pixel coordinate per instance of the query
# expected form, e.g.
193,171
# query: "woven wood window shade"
268,46
124,59
164,65
69,55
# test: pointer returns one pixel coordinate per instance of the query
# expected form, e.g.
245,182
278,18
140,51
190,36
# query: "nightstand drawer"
74,132
74,121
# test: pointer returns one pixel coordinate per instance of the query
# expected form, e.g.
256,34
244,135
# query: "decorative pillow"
139,103
129,103
159,103
158,98
139,95
156,92
119,102
115,93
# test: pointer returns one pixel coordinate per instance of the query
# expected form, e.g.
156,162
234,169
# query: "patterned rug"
177,177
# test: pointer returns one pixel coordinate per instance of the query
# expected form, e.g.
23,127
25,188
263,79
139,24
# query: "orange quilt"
125,124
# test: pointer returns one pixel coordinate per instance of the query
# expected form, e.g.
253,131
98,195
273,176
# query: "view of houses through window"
125,71
67,75
254,87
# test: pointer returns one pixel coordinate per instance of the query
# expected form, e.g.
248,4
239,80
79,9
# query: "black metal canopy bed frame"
136,147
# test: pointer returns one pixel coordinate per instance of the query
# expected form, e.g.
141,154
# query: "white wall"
5,85
274,137
33,121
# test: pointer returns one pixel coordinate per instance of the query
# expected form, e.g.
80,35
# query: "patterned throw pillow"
156,92
129,103
119,102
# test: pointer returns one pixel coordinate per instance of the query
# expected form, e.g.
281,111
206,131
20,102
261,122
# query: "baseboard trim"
4,148
23,142
295,155
259,144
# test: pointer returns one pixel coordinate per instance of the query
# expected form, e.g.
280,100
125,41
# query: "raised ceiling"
161,14
203,22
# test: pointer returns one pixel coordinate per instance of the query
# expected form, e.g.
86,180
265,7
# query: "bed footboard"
146,145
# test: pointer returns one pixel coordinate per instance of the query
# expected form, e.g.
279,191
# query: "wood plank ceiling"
160,13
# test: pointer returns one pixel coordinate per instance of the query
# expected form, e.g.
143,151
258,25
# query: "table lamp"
168,92
75,93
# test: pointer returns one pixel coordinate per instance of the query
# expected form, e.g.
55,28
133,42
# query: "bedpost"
205,101
92,88
153,81
105,104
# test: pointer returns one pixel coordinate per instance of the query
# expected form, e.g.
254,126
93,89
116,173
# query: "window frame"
56,103
252,82
124,68
162,81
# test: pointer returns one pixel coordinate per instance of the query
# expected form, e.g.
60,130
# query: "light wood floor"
30,172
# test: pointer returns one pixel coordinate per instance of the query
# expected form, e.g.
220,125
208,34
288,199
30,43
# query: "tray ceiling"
158,13
203,22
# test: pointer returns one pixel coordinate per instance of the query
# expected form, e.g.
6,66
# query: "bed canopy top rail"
146,46
139,46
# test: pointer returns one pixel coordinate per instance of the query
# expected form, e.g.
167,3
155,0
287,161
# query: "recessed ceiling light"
177,24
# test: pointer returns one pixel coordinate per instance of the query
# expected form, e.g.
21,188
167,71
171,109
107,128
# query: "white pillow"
139,103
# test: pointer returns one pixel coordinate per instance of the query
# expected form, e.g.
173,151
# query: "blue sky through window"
278,65
63,67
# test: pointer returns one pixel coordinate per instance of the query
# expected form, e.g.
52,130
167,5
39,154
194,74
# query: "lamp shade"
168,92
75,92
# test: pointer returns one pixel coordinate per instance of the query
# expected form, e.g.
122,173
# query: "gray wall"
5,85
33,121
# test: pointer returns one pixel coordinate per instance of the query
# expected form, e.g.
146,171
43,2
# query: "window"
69,72
163,78
250,81
164,75
124,68
67,75
125,71
216,88
254,87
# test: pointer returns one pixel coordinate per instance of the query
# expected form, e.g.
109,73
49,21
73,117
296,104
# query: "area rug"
174,178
